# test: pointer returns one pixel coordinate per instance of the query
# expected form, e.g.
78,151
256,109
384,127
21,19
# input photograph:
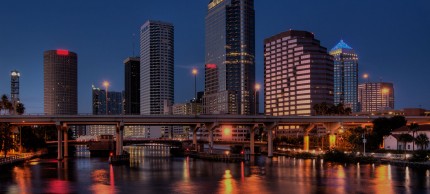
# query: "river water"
152,170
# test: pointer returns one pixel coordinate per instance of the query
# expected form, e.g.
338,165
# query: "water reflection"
152,170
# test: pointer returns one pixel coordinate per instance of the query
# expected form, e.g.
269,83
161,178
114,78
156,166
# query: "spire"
341,45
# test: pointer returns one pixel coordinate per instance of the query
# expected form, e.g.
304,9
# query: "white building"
392,142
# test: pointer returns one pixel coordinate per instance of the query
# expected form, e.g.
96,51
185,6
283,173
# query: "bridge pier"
211,127
306,137
194,128
59,141
270,128
252,138
66,142
119,138
332,127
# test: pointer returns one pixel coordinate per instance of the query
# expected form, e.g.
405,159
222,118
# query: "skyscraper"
115,106
132,86
60,82
156,67
230,57
345,76
376,96
14,86
298,73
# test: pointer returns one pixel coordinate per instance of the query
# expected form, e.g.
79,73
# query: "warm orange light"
106,84
306,143
385,90
257,86
365,76
194,71
332,141
226,131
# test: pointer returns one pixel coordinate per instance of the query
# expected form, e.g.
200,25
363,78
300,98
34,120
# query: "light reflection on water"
152,170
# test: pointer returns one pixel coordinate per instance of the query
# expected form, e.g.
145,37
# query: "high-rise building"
230,57
156,67
345,76
298,73
375,96
14,88
114,103
132,86
60,82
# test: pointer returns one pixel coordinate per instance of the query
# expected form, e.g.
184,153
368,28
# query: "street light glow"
257,86
194,71
106,84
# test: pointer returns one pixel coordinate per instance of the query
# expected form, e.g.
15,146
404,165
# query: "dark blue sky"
391,37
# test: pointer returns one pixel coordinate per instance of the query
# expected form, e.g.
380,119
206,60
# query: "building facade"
345,76
376,96
230,57
132,86
115,99
60,72
298,73
156,67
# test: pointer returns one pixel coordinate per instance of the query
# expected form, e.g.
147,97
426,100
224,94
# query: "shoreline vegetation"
418,159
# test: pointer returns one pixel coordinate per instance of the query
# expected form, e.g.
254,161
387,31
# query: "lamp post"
257,88
106,85
194,71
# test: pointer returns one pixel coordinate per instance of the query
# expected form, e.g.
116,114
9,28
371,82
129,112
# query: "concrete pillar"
59,142
270,128
66,141
270,143
194,129
252,139
119,138
211,127
306,143
333,128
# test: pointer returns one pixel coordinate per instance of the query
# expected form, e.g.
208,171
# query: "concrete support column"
211,127
270,128
194,129
333,128
66,141
252,138
59,141
119,138
307,129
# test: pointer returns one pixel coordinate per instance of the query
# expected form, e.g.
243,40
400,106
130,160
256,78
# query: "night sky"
391,37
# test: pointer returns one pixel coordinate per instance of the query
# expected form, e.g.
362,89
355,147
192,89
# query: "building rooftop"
341,45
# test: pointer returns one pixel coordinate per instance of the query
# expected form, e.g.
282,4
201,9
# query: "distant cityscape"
299,75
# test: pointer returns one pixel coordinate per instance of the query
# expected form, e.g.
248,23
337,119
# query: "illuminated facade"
156,67
14,87
230,57
376,96
345,76
60,72
132,86
298,73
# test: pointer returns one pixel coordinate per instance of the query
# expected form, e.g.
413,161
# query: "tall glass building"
345,76
132,86
230,57
60,82
115,99
376,96
156,67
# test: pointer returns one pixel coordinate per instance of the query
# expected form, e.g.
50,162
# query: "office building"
230,57
345,76
114,103
132,86
298,73
156,67
376,96
60,72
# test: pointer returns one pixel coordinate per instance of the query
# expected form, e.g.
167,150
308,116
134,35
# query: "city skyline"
375,36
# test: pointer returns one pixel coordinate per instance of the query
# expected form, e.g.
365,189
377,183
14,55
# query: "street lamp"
257,88
106,85
194,71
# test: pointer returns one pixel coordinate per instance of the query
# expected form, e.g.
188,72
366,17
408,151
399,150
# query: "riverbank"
19,158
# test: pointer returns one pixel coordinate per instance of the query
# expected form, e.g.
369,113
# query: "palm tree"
20,109
5,104
422,140
405,138
414,127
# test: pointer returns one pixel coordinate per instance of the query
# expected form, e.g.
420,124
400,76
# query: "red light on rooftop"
62,52
211,66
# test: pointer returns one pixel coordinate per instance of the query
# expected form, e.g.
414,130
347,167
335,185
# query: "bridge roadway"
210,122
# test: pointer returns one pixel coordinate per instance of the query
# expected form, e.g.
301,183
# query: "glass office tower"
230,57
345,76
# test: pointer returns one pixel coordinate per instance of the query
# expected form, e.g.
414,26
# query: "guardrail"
17,158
